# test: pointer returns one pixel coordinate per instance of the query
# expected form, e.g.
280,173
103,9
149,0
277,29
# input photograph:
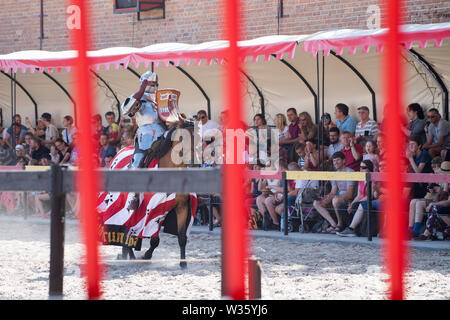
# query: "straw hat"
445,167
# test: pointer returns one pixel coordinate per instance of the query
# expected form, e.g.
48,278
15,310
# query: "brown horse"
163,152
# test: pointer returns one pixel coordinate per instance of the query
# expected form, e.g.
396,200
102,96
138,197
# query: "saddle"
163,144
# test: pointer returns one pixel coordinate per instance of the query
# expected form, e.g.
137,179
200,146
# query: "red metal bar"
87,177
234,241
395,207
414,177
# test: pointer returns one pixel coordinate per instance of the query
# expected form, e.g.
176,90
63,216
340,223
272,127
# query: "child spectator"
371,154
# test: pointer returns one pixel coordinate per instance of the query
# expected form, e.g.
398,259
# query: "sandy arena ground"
290,270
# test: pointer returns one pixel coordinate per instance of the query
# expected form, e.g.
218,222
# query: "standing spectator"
417,123
112,129
38,151
343,120
51,132
342,192
69,130
366,129
351,150
6,154
308,129
17,122
438,136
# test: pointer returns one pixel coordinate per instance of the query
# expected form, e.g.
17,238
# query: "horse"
162,151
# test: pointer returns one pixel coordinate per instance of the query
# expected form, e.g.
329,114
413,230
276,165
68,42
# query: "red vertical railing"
395,208
234,245
87,178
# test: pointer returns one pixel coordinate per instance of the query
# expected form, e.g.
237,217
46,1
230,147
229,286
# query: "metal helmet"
150,77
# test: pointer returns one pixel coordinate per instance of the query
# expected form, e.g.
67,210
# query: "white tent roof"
272,79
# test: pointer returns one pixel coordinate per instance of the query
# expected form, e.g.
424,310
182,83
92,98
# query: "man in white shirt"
208,127
366,129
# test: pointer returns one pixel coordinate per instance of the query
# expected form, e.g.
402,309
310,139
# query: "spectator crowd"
336,207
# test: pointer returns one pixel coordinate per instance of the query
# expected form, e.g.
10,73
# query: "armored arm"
133,102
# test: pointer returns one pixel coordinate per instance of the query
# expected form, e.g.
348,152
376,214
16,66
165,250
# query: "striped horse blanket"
125,227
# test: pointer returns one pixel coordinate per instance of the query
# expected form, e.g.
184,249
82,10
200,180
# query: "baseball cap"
19,147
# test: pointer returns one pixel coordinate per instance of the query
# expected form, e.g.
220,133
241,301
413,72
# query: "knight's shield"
167,103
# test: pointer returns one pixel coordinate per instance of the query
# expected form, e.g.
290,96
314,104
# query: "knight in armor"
142,104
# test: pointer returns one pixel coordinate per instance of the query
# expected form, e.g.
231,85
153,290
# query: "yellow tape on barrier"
44,168
37,168
325,175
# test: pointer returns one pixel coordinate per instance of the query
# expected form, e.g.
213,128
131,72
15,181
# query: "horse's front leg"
182,211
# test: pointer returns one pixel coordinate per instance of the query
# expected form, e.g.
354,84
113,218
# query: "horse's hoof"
147,255
183,264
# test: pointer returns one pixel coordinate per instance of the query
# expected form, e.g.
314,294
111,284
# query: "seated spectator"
438,134
352,151
372,154
16,131
105,149
75,154
355,210
55,155
380,147
69,130
294,131
6,154
97,126
259,136
208,127
326,124
283,133
112,129
343,120
51,132
308,130
417,123
417,208
438,220
342,193
38,151
335,143
15,138
436,164
311,156
274,201
419,162
64,151
366,129
301,154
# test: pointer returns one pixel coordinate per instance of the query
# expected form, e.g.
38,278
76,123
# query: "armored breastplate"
147,114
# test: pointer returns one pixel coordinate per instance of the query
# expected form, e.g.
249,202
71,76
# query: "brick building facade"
192,21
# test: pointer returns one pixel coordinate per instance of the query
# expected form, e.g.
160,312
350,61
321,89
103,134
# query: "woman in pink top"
366,166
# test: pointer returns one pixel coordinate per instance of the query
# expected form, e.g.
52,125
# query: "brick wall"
192,21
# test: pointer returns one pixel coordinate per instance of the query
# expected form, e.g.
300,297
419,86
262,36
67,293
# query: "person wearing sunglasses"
438,133
208,127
